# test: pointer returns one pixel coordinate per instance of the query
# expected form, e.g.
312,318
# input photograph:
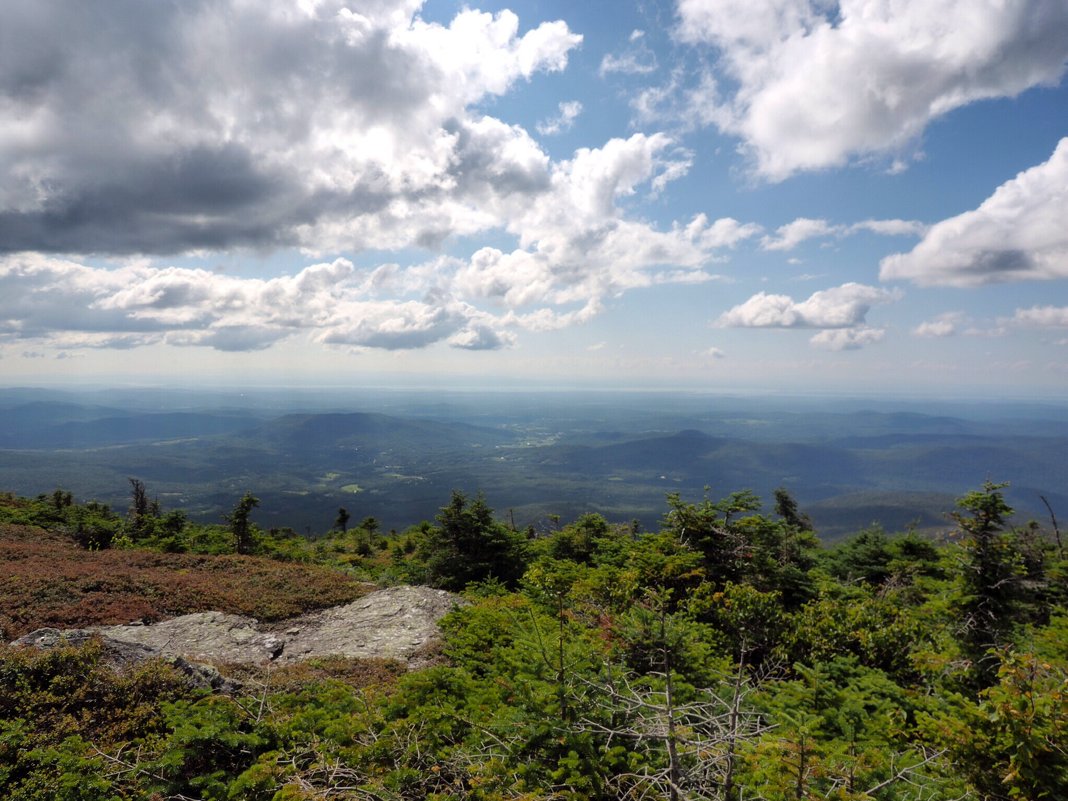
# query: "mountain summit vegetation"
724,655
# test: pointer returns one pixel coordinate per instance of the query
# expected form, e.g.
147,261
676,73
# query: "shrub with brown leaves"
46,581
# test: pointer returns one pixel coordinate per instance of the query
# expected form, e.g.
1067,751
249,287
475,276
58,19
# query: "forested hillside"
397,455
724,655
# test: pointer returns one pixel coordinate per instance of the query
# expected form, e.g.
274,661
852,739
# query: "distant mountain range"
61,426
399,459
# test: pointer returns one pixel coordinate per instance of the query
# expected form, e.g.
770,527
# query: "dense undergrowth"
724,656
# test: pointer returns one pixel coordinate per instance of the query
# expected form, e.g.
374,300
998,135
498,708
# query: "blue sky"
767,195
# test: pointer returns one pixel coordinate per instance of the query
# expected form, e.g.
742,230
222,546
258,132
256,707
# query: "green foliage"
578,541
342,521
995,596
751,622
65,715
468,546
209,741
658,635
739,546
840,726
879,628
245,532
721,657
865,557
1010,743
786,508
91,525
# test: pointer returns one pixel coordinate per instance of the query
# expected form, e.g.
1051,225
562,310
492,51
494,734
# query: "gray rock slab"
392,623
208,636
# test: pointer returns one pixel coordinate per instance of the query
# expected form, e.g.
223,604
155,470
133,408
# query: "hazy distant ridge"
398,458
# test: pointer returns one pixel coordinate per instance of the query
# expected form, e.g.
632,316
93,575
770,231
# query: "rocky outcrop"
119,655
393,623
204,636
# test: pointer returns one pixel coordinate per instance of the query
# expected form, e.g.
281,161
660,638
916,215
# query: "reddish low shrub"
46,581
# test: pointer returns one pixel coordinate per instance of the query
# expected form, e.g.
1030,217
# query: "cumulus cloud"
944,325
811,84
575,250
546,319
1016,234
269,124
1042,317
845,306
71,305
575,243
891,227
171,127
935,328
482,337
789,236
846,338
233,338
394,325
569,111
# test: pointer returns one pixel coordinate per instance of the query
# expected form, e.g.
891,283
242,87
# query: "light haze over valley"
538,456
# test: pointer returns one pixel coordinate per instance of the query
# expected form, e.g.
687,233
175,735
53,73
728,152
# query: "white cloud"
1042,317
575,250
569,111
67,304
576,245
715,353
482,337
228,123
789,236
891,227
482,53
846,338
813,84
636,59
725,232
517,279
394,325
759,24
935,329
839,307
762,311
1018,233
549,320
80,340
944,325
336,129
230,337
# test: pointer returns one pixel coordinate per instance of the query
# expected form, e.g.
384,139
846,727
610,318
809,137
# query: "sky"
868,196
